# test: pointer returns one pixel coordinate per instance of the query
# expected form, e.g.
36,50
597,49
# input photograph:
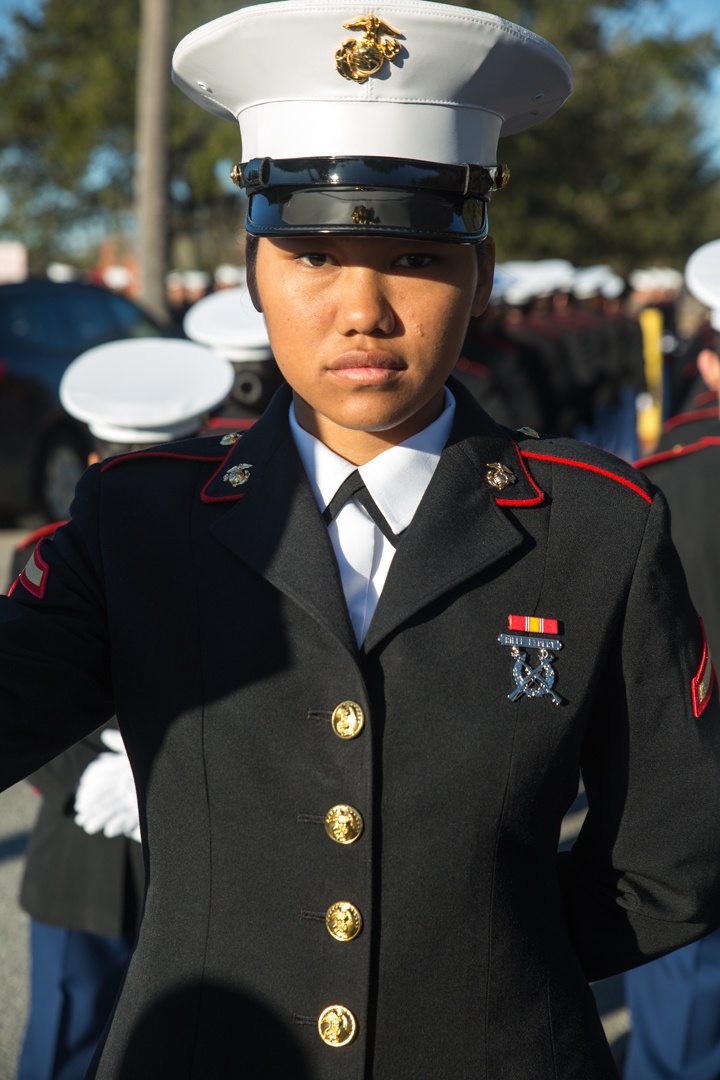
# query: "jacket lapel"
275,526
459,529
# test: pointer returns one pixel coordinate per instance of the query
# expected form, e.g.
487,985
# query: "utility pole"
151,143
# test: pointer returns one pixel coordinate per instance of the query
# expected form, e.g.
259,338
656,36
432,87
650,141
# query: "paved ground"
18,807
8,539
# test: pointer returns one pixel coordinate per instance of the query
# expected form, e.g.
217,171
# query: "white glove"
106,800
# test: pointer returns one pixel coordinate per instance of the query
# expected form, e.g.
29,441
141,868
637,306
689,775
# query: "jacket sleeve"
55,685
643,877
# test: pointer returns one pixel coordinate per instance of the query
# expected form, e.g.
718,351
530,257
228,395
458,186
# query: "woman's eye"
315,259
413,262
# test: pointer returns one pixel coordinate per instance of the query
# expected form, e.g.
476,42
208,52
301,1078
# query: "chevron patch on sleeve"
35,575
703,682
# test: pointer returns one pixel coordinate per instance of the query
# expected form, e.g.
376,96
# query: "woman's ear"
486,272
708,363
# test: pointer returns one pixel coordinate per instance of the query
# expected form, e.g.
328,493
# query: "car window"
93,316
27,322
68,320
133,321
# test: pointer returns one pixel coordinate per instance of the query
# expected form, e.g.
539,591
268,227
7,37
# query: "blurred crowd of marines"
585,353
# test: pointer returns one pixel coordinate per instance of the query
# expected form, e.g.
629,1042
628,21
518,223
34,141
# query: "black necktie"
354,488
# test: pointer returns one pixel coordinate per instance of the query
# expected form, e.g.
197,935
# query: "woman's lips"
366,367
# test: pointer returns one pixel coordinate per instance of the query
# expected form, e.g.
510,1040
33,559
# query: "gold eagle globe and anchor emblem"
499,476
358,60
238,474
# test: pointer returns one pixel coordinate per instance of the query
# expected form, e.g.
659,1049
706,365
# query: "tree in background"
616,176
67,128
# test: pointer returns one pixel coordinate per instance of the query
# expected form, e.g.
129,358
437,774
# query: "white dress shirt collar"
397,478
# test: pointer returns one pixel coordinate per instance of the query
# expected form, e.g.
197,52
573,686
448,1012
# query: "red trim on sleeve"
704,681
591,468
540,497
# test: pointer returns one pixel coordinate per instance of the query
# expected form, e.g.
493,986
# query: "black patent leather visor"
430,215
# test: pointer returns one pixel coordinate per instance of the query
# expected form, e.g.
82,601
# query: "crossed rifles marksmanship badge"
534,678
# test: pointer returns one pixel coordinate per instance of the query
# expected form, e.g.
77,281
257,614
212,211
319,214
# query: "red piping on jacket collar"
540,497
182,457
590,468
689,417
220,498
669,455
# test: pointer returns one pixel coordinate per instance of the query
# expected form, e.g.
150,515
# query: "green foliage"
616,176
68,83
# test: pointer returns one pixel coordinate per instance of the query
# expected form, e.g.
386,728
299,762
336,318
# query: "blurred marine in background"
675,1001
83,885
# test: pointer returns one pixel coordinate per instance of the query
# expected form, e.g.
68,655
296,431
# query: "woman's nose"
363,306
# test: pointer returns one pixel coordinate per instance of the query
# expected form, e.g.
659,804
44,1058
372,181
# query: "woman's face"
366,330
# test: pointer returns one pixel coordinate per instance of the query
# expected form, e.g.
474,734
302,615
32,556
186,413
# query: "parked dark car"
43,326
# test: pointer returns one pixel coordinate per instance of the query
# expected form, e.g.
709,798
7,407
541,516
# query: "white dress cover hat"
381,123
145,390
228,322
702,278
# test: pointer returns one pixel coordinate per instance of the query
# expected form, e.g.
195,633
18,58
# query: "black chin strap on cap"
369,196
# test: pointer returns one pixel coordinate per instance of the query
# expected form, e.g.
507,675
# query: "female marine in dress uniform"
360,655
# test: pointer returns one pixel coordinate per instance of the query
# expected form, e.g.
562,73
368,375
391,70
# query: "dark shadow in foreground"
208,1031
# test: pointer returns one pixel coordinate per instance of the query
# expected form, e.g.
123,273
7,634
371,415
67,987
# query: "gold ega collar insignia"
499,475
238,475
358,60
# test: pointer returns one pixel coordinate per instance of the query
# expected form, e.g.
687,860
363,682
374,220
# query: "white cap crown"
459,79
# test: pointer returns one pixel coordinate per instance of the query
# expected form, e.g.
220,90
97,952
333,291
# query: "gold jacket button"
344,824
348,720
343,921
337,1026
